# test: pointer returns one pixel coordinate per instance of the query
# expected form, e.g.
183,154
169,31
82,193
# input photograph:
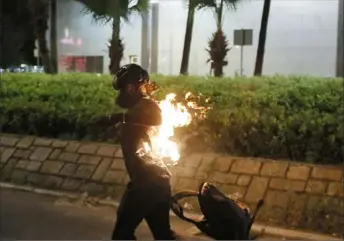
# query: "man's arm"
146,114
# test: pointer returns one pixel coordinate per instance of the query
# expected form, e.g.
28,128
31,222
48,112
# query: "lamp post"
154,36
340,39
145,40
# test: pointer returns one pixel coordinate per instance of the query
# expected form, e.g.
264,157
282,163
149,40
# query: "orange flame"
174,114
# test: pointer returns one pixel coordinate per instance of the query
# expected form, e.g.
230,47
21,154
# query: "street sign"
133,59
36,52
243,37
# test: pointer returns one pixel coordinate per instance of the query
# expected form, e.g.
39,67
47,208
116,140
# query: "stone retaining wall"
296,194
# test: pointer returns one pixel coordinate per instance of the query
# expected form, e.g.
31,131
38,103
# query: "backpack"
223,218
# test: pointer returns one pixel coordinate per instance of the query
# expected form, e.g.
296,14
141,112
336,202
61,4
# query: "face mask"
127,100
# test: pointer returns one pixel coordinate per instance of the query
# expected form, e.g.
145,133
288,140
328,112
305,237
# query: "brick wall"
296,194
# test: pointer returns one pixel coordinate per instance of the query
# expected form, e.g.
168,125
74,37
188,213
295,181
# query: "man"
148,193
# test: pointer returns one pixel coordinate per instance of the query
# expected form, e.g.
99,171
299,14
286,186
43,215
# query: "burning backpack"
223,218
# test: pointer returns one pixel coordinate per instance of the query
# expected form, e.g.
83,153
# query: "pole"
340,39
242,52
155,37
241,59
38,53
171,54
145,40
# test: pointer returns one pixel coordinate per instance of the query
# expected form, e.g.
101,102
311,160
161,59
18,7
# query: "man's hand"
151,88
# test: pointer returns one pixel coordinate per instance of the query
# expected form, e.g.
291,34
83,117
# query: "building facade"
302,37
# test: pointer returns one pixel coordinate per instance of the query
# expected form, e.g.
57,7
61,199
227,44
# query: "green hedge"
298,118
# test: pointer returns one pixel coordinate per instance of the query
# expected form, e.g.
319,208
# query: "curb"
6,185
256,228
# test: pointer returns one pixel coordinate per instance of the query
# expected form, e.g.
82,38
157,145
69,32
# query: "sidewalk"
29,213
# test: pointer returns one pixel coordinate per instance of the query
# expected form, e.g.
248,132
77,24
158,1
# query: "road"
31,216
25,215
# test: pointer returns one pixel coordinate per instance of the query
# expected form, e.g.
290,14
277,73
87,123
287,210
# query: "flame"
174,114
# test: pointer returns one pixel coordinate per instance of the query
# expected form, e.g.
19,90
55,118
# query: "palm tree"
40,13
114,11
218,46
262,38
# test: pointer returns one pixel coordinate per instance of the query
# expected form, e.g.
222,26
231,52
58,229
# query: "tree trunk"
116,50
218,65
42,26
187,40
40,9
2,33
53,38
219,12
218,69
262,38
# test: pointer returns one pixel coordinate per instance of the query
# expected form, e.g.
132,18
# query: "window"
89,64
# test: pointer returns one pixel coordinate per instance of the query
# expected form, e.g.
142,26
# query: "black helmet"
129,74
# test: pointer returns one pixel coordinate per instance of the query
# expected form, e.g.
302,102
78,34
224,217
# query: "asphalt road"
25,215
31,216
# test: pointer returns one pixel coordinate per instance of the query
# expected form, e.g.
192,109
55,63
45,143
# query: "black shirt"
142,169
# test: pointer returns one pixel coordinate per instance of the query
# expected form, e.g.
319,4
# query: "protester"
148,194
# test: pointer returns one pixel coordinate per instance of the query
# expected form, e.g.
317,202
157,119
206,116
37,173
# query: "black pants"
150,204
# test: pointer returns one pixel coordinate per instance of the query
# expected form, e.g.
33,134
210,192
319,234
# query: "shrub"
298,118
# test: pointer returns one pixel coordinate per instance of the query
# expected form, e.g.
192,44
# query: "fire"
174,114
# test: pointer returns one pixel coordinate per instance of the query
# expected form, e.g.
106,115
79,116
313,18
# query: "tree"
218,49
17,38
40,12
218,46
105,11
262,38
11,43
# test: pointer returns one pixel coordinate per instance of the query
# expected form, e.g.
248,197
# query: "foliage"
105,10
287,117
217,6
